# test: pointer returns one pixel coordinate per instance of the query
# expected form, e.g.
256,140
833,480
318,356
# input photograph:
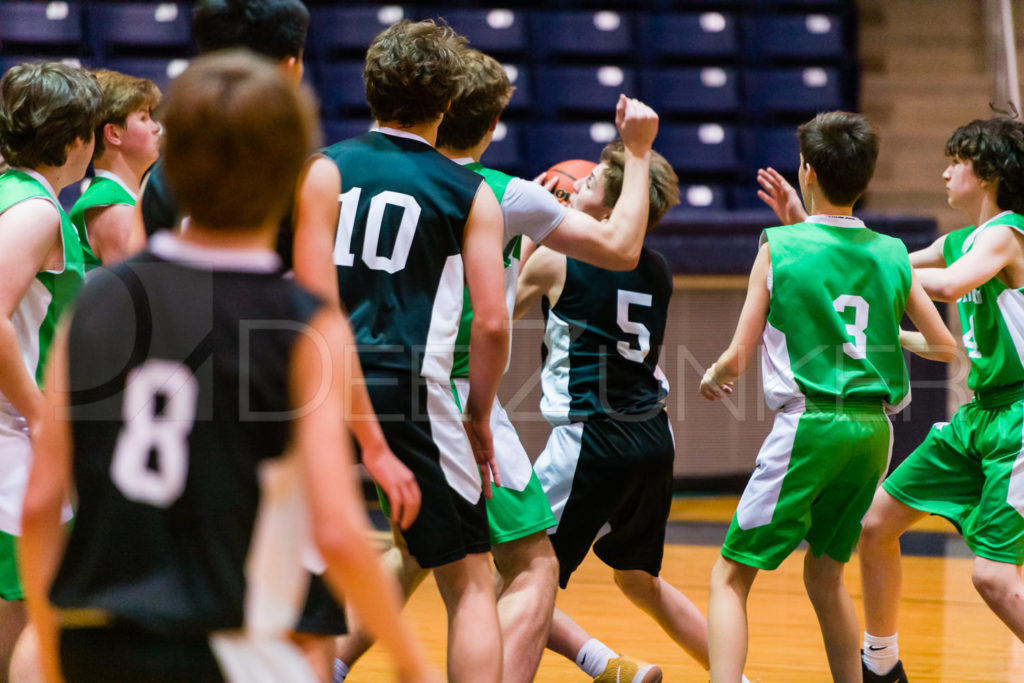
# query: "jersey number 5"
628,326
858,348
144,432
349,202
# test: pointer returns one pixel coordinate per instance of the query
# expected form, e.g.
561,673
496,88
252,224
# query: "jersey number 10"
349,202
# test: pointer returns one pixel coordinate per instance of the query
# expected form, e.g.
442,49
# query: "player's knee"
636,584
875,531
822,577
994,581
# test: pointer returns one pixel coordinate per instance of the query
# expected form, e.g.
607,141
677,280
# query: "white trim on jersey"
101,173
513,462
556,466
446,429
1015,490
554,376
171,247
969,242
399,134
40,178
761,495
1011,307
259,660
835,221
780,385
439,349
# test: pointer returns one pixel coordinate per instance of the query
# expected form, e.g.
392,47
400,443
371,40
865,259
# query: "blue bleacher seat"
340,86
699,148
7,61
806,89
48,27
159,70
583,88
505,151
586,34
337,29
701,197
687,90
142,27
336,130
797,36
497,31
774,146
519,76
692,35
549,143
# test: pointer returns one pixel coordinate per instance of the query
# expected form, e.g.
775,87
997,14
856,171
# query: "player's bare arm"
488,341
616,243
109,230
43,540
339,520
719,378
543,275
931,256
23,254
315,219
137,227
932,339
997,251
781,196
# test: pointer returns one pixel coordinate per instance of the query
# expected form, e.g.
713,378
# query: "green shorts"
10,583
814,479
971,471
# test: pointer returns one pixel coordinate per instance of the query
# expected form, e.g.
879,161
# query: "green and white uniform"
832,365
518,507
35,320
971,469
106,189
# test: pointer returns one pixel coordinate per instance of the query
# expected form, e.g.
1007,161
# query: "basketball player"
518,513
826,297
127,144
610,456
47,115
200,436
397,230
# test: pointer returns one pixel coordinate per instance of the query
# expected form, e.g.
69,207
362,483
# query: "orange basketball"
567,173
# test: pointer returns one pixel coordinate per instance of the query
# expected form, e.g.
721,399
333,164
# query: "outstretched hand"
482,443
637,124
782,197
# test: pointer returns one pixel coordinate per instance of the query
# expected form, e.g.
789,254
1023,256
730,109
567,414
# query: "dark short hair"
122,95
484,92
663,181
273,28
237,135
842,147
995,148
44,108
413,71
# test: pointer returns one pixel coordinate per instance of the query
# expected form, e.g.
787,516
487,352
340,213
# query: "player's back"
603,337
190,515
398,249
838,292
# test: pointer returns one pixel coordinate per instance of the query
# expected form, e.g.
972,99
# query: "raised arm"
340,526
488,341
543,275
931,256
719,378
782,197
616,243
994,249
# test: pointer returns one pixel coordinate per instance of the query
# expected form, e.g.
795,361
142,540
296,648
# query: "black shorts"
322,614
612,472
115,655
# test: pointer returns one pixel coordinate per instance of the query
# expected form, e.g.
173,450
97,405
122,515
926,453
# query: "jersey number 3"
349,202
858,349
145,433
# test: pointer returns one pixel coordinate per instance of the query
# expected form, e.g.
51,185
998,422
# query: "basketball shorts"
970,470
10,581
814,479
518,507
126,655
423,426
609,484
321,613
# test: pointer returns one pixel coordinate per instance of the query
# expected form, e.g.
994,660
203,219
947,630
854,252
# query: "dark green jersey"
602,341
991,316
105,189
398,250
838,291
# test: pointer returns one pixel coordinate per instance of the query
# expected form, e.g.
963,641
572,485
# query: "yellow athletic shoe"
623,669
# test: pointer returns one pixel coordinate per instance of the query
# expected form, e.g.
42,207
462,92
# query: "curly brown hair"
484,94
122,95
413,71
995,148
664,183
44,108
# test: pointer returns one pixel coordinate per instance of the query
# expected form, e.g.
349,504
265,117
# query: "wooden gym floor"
946,631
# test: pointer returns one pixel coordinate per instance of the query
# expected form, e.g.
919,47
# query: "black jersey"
602,341
190,515
398,250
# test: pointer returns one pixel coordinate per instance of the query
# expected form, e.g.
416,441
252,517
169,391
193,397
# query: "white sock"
745,680
341,670
880,653
593,657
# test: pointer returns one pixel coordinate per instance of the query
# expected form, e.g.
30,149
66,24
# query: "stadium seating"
693,35
41,27
601,33
805,90
140,28
692,90
591,89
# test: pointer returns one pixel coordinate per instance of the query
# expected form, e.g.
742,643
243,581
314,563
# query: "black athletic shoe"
897,675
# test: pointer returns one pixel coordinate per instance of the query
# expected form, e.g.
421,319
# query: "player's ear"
112,134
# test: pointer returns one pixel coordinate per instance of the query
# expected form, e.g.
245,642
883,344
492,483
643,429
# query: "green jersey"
105,189
991,316
527,209
36,316
838,291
